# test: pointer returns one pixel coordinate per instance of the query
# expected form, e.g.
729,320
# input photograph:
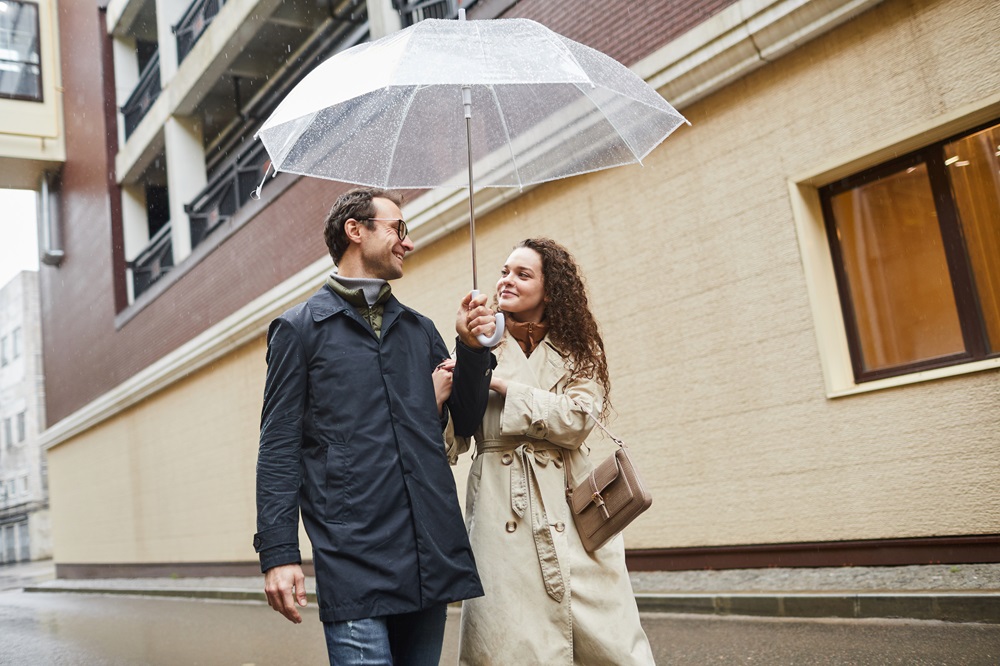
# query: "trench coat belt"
526,495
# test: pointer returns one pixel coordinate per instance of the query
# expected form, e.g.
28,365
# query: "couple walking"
361,391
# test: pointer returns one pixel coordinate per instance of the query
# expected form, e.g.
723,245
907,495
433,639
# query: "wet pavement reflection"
88,629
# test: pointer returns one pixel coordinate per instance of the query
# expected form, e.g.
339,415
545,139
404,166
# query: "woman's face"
521,290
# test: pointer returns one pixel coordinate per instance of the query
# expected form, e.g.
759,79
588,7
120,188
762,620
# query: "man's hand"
474,318
285,586
442,376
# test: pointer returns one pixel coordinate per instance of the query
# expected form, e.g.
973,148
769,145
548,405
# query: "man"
351,435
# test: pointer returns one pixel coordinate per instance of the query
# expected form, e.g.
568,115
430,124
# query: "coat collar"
326,303
544,369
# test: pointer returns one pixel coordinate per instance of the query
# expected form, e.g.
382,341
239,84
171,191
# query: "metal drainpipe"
52,254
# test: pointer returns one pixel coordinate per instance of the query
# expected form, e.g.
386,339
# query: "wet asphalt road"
41,629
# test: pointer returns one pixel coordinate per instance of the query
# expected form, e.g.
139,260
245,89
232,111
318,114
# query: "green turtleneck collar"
356,297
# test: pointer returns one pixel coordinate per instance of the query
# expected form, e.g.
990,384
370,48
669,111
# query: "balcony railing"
145,93
226,193
154,262
414,11
194,22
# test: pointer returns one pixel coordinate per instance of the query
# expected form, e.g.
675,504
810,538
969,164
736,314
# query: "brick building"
800,293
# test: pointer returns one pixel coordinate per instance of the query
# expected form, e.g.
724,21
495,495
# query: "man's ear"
352,229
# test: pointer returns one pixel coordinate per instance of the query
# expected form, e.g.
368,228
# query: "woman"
548,601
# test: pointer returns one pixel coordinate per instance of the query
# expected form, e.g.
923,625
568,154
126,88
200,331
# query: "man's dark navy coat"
350,433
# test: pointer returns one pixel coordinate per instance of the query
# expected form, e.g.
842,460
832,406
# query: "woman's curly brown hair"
572,326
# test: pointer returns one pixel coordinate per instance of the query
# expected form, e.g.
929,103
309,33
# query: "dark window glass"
157,208
20,62
916,246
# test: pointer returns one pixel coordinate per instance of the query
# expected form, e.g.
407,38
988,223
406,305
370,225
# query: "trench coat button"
506,459
560,526
511,526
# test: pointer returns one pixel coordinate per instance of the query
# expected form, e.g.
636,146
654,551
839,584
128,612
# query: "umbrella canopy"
390,113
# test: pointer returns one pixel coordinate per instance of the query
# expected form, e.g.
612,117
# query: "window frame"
38,41
857,155
960,269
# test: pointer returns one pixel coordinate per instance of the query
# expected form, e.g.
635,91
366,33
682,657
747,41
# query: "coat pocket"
337,486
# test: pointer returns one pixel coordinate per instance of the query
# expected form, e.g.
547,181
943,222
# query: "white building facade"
24,495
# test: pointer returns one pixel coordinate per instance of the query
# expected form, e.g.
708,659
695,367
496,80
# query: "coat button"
506,459
511,526
560,526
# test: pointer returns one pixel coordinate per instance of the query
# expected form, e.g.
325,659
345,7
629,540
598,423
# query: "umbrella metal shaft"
472,209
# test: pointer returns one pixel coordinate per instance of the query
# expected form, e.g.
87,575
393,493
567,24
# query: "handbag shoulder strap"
566,458
600,425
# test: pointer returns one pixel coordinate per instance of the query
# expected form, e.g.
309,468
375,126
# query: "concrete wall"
696,274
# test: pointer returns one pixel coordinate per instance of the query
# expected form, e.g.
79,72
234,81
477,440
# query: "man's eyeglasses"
401,230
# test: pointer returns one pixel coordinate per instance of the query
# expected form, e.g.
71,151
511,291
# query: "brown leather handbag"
610,498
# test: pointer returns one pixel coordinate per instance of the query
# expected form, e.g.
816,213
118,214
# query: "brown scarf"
528,334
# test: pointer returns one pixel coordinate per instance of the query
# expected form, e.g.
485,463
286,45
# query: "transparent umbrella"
536,106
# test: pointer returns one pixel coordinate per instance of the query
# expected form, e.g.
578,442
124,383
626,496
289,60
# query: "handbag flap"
603,476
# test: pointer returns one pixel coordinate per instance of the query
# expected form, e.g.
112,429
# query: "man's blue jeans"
410,639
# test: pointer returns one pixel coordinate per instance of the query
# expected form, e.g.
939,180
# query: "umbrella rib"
506,134
597,105
399,131
569,53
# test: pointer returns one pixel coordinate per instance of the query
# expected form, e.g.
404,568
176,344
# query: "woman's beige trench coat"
548,601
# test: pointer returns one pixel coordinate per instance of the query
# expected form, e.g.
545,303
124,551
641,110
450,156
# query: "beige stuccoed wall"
171,479
696,275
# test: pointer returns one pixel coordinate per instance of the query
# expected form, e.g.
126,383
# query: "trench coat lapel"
548,366
544,369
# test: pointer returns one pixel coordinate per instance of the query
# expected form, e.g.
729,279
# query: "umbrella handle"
491,341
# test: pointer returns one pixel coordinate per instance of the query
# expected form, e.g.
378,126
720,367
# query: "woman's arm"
556,417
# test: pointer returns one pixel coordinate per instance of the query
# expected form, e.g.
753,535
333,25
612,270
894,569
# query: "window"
8,432
916,247
3,350
20,426
15,343
20,62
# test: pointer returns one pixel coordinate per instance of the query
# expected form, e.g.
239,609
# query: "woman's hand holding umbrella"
475,321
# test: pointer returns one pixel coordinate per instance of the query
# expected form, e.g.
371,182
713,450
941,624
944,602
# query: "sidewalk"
955,593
